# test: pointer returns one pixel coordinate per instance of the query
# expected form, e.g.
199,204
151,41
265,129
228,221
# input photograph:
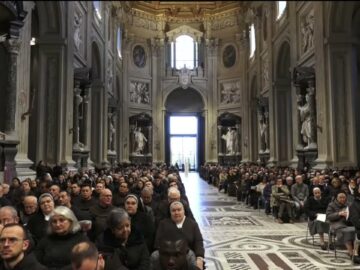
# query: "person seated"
354,216
28,209
38,223
337,214
140,220
162,211
54,250
315,205
299,193
173,253
280,197
189,227
122,243
14,244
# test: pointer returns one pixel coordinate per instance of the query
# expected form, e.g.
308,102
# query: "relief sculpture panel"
139,93
230,92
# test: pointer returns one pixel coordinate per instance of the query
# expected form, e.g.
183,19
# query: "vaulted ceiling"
186,9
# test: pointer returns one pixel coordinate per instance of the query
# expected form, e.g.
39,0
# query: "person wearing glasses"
13,246
54,250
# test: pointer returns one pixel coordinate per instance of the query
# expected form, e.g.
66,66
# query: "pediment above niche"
185,30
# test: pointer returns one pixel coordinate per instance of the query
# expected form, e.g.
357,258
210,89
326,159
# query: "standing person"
14,245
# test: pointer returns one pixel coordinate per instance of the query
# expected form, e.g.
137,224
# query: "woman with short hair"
54,250
122,244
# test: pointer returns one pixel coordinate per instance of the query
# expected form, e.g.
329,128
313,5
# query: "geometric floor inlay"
240,238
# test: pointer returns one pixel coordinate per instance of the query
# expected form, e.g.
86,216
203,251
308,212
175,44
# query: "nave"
237,237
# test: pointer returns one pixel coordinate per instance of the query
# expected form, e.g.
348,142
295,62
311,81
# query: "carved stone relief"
139,93
78,39
307,31
230,92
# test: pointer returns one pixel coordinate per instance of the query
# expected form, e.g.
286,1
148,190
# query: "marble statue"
77,34
112,131
140,140
231,141
305,118
263,134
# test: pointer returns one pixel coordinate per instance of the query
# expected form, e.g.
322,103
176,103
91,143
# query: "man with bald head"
100,211
30,207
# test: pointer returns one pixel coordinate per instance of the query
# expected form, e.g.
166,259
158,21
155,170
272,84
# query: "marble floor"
239,238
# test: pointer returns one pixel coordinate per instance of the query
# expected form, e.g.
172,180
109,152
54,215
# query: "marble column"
300,144
13,46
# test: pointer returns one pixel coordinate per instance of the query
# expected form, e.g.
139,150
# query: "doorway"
184,141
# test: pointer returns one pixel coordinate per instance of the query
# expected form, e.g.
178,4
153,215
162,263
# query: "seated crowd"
131,217
328,199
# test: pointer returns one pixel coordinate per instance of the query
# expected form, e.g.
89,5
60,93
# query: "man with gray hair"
299,193
29,208
163,212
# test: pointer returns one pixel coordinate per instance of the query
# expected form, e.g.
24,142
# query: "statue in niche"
140,141
231,140
263,126
112,132
305,118
77,34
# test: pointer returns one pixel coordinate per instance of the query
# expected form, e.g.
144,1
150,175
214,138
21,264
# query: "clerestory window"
252,40
281,6
184,52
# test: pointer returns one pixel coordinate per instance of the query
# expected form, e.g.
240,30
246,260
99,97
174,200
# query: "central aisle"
236,237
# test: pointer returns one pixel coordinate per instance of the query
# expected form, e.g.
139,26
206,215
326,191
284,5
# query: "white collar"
179,225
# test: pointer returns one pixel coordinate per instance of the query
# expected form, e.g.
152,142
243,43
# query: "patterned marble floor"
239,238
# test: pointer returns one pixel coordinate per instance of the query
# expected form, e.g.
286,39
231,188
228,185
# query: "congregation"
131,217
328,200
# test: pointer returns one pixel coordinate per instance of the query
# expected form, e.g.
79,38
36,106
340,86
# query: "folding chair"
308,232
356,247
332,239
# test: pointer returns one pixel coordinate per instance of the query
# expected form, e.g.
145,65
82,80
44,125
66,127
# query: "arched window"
97,7
281,6
184,52
118,41
252,40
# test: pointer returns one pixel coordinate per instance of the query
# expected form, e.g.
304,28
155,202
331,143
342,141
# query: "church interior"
266,87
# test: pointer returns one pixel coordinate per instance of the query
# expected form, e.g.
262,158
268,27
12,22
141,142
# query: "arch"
47,21
179,101
51,16
173,87
283,107
95,62
283,61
